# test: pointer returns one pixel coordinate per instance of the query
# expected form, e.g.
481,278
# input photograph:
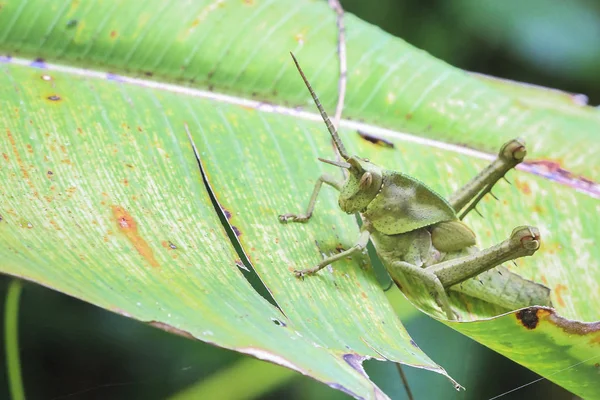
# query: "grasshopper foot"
514,150
285,218
301,273
527,238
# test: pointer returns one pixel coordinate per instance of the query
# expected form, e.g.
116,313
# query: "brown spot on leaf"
55,225
171,329
113,34
168,245
538,209
408,116
375,139
128,227
528,317
54,97
558,289
236,231
20,162
523,186
5,156
227,213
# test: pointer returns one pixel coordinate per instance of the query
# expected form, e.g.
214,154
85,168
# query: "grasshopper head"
362,185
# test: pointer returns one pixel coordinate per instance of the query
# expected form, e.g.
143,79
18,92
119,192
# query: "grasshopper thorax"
361,186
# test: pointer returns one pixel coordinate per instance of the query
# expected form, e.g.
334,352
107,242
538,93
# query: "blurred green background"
72,350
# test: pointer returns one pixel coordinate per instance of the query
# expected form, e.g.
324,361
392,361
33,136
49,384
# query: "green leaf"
103,199
123,220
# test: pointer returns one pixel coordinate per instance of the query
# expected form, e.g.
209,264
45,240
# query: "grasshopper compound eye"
366,180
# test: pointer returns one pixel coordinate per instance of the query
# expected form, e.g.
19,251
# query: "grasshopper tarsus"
301,273
526,237
513,151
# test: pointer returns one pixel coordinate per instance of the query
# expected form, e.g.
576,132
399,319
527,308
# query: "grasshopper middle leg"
360,245
511,154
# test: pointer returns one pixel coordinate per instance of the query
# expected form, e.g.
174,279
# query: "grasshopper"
418,233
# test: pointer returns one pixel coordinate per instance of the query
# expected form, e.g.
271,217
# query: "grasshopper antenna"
330,127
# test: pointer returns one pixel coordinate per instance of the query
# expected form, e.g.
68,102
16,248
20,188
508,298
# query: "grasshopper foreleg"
325,178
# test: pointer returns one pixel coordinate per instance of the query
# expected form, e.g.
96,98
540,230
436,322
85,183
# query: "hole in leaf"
278,322
233,233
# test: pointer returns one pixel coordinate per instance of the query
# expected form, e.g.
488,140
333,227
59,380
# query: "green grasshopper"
417,233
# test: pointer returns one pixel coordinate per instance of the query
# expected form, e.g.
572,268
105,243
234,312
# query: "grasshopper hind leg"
466,198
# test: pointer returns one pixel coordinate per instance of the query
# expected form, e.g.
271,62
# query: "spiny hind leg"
325,178
523,241
467,197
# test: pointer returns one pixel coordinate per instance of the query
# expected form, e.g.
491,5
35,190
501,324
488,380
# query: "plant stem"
11,340
404,381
